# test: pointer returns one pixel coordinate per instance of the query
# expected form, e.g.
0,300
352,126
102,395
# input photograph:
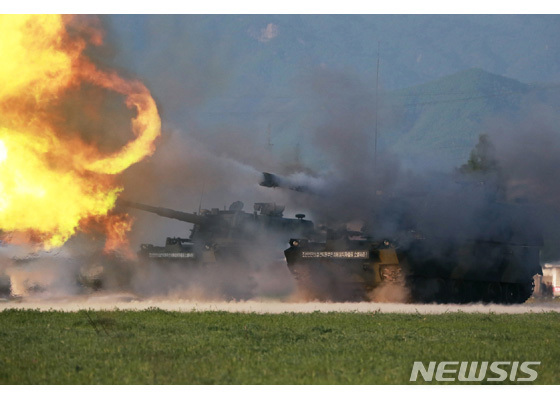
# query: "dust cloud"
126,301
351,179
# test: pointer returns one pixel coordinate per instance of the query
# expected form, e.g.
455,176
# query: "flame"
53,184
117,237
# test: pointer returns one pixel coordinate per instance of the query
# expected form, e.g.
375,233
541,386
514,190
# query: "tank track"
432,290
326,287
316,285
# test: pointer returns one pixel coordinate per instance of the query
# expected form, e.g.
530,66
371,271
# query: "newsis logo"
465,371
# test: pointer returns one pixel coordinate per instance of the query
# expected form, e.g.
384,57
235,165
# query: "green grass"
155,346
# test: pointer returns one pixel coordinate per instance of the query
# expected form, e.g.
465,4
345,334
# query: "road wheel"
510,293
493,293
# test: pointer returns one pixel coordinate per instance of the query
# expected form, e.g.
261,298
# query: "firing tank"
497,265
489,253
223,235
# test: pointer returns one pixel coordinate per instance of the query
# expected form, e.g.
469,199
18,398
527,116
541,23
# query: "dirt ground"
124,301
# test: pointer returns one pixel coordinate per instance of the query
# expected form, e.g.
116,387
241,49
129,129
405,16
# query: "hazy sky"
255,76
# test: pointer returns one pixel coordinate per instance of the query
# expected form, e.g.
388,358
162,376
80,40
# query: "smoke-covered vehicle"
497,264
223,235
46,272
346,267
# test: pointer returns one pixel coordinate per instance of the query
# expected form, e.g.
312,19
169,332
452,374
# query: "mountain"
226,76
441,120
188,59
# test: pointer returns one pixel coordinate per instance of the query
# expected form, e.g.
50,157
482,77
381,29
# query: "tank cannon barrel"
274,181
164,212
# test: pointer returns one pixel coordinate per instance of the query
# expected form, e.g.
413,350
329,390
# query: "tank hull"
460,272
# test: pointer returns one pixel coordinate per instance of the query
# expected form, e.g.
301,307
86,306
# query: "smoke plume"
349,180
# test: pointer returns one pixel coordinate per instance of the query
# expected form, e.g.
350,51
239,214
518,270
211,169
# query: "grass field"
160,347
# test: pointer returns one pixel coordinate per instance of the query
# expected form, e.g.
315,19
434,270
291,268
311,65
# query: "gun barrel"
274,181
164,212
270,180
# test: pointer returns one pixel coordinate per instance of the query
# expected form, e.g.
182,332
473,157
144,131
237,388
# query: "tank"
497,265
223,235
485,249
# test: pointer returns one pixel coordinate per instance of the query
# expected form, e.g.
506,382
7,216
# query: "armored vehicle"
461,243
497,264
224,235
346,267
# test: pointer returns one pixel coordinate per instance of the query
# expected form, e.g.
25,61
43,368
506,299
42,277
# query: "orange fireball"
53,184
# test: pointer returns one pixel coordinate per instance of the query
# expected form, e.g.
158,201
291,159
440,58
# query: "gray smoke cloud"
514,202
349,180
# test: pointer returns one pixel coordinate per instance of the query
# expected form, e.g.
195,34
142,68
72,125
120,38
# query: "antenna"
298,155
374,183
201,196
376,112
268,138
